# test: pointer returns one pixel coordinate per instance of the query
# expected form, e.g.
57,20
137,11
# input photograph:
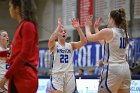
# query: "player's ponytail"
120,20
124,24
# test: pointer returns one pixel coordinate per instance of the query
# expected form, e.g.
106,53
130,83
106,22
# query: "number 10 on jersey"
122,43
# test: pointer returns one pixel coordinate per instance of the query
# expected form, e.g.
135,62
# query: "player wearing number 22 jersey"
62,58
62,69
62,76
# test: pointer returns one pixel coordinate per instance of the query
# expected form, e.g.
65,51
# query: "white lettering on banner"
47,59
44,58
89,55
82,58
41,58
79,57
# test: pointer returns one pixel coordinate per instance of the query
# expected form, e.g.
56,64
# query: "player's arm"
2,83
104,34
89,24
83,40
97,23
54,36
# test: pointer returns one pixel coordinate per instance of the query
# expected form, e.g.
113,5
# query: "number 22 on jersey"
63,58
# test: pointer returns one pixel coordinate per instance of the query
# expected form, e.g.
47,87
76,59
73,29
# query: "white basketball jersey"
115,49
62,60
2,65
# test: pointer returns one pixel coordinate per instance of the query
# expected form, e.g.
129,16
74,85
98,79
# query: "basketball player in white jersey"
62,77
4,39
116,75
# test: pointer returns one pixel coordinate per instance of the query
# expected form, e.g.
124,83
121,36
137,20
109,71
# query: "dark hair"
120,20
27,9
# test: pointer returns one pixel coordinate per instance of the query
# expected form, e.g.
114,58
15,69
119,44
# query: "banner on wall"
90,54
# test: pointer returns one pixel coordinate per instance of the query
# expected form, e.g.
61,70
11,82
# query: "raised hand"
97,23
58,29
60,25
89,21
60,22
75,23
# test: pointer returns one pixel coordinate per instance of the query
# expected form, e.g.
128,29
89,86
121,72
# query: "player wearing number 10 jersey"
62,77
115,77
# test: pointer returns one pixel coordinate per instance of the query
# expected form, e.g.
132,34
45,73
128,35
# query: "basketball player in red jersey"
24,54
